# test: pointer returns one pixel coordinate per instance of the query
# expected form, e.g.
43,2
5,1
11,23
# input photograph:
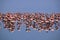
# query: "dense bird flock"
37,21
